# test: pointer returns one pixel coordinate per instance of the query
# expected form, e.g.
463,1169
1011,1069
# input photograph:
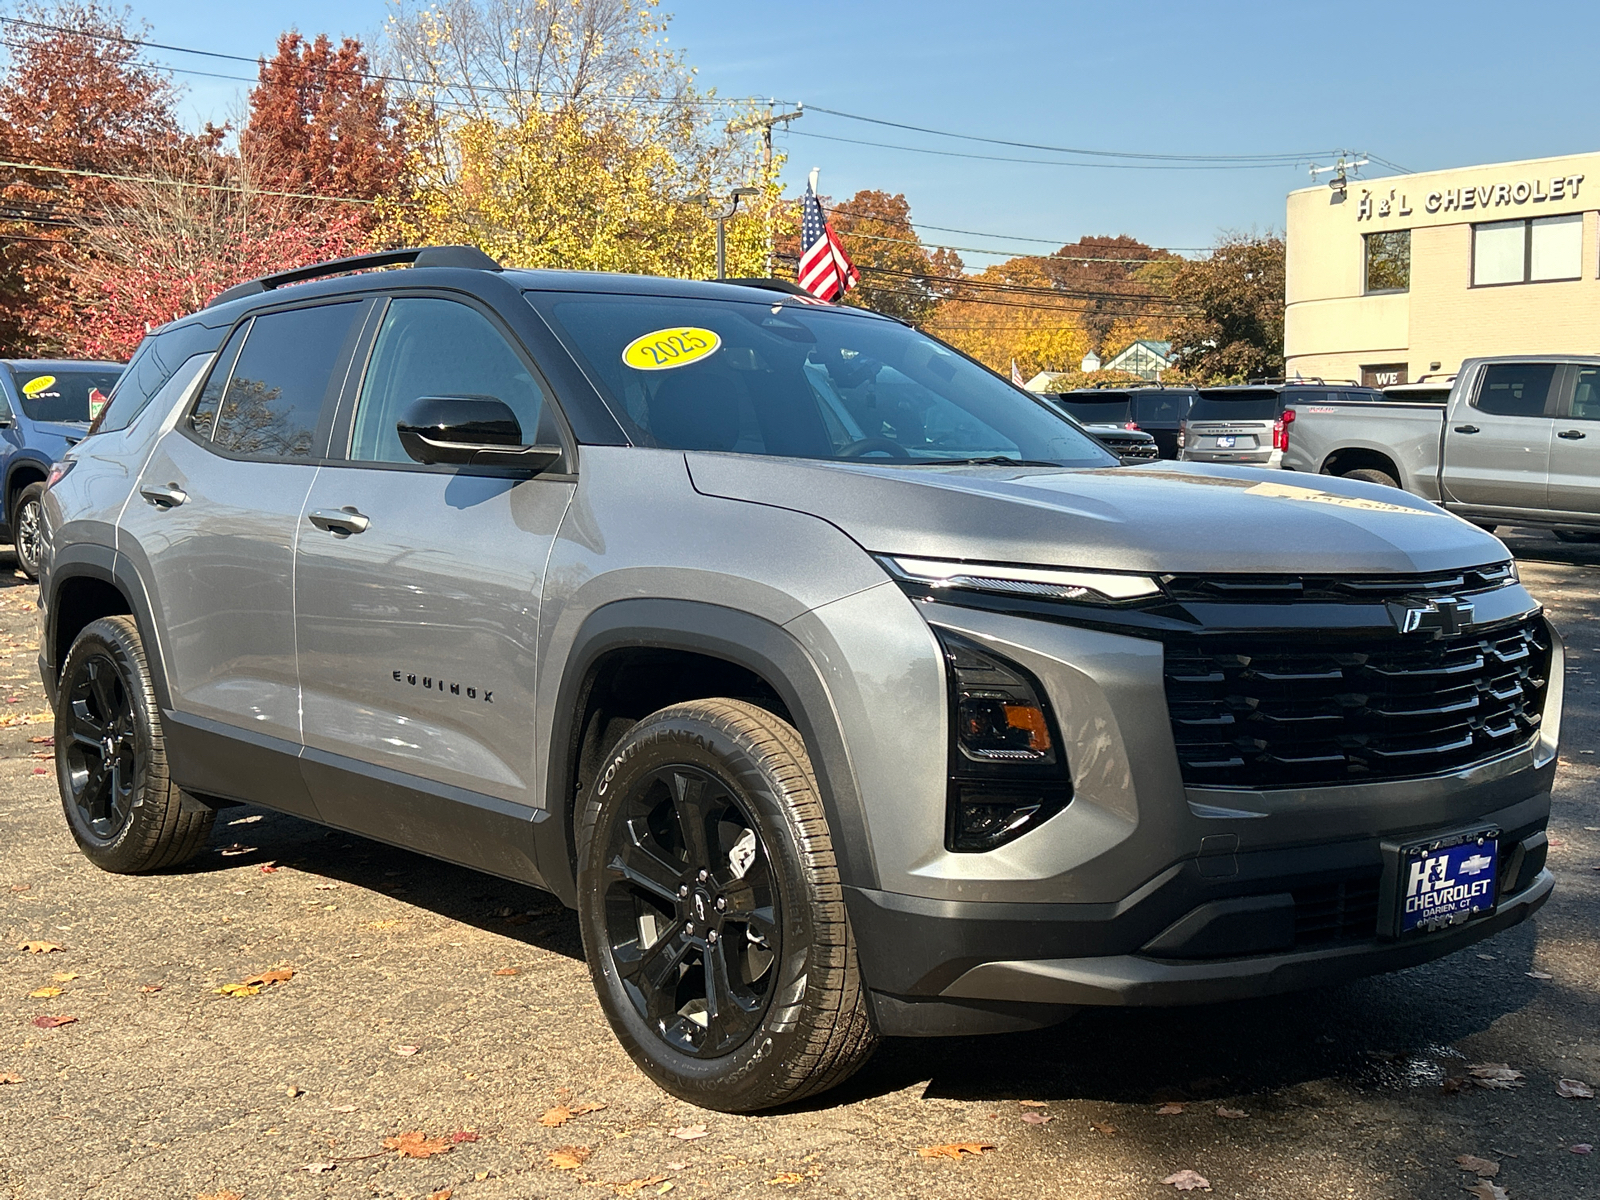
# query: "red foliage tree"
319,122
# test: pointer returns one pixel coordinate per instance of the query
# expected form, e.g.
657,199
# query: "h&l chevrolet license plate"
1446,885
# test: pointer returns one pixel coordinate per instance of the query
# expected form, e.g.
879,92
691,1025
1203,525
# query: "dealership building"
1393,279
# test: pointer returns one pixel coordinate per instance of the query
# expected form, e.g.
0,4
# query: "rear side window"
1586,396
1161,408
270,404
154,364
1094,411
64,394
1515,389
1238,406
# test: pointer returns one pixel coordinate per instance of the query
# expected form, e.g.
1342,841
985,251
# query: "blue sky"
1422,83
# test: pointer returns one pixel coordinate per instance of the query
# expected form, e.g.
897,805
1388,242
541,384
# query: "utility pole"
726,207
766,124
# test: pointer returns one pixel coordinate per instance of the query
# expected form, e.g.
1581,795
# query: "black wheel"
1577,536
1373,475
711,911
27,528
111,762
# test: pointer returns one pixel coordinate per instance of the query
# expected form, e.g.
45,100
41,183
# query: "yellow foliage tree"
1038,332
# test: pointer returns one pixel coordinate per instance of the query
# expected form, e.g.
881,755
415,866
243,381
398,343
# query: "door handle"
341,522
168,495
1467,429
1572,435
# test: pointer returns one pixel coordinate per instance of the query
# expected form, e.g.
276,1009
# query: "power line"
1046,162
183,183
878,237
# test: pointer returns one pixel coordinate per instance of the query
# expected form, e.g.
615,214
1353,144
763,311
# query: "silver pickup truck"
1518,441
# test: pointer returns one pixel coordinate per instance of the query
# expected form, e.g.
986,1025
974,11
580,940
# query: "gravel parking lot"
428,1000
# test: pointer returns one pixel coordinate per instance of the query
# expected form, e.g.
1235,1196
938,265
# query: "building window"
1527,251
1388,260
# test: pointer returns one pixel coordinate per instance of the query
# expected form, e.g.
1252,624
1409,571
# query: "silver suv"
843,689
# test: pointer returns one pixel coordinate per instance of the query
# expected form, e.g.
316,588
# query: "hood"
63,429
1163,517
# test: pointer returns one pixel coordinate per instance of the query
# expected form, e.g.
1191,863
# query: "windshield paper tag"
1288,491
668,348
34,386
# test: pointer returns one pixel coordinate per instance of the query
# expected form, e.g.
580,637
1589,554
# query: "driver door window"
431,347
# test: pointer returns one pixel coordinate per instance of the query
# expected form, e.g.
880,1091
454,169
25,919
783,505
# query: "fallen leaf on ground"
236,990
224,1194
441,1194
8,1077
1580,1148
1034,1118
555,1117
1567,1089
569,1158
1187,1180
1484,1190
1233,1114
22,887
689,1132
1034,1103
631,1186
324,887
40,947
1538,975
44,993
788,1177
506,971
317,1168
54,1022
269,868
43,754
464,1135
416,1144
956,1150
64,976
1482,1167
237,849
382,924
1454,1083
1105,1127
406,1051
276,975
1169,1110
43,741
150,987
1496,1076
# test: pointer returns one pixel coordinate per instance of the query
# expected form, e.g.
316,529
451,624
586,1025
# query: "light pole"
720,216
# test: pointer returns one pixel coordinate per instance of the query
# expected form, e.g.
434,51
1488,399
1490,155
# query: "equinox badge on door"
439,685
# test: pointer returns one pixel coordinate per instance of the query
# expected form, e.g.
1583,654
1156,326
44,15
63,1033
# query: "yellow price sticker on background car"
668,348
34,386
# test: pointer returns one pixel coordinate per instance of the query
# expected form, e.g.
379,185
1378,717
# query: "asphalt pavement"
450,1015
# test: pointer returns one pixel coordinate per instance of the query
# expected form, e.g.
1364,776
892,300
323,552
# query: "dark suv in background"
1159,411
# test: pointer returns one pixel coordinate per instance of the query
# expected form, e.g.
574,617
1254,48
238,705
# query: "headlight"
1048,583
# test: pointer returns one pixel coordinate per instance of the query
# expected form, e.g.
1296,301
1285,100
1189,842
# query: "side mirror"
470,430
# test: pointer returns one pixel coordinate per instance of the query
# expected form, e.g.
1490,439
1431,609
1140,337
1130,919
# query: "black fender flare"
758,645
81,560
29,458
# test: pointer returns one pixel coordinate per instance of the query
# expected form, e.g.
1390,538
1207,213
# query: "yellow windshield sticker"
1288,491
668,348
34,386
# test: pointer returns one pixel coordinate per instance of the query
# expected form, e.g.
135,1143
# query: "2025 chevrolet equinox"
844,689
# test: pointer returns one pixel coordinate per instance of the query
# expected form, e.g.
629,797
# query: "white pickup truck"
1517,441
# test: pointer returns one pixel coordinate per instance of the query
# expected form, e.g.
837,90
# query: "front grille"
1336,912
1126,447
1233,589
1270,711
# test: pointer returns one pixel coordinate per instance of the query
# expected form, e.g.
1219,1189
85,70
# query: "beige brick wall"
1332,329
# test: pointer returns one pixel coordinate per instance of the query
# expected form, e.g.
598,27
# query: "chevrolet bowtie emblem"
1445,616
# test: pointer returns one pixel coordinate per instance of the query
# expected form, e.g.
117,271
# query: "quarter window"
1535,251
1388,260
431,347
270,404
1586,396
1515,389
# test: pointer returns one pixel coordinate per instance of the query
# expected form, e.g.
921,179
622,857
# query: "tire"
129,818
1373,475
27,527
1577,537
797,1020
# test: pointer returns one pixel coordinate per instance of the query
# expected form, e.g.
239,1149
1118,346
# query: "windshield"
1093,410
1236,406
64,395
786,378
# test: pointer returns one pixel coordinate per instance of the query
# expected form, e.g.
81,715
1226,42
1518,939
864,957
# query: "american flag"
825,269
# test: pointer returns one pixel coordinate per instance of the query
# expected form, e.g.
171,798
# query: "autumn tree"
76,96
1233,329
565,134
1012,312
1116,280
319,122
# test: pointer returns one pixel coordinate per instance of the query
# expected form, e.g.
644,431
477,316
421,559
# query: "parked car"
1159,411
1131,446
45,406
1517,441
951,727
1423,391
1246,424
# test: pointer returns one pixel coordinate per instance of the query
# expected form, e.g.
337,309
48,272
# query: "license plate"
1225,443
1444,885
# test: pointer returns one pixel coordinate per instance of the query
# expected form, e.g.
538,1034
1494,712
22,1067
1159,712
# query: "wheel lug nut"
704,875
683,892
688,926
712,937
722,904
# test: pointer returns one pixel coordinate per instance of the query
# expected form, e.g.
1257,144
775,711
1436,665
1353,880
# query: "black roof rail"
787,286
469,257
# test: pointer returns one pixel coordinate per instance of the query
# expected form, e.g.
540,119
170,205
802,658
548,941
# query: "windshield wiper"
995,460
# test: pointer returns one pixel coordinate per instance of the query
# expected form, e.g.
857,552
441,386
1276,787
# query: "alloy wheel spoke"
762,923
729,1016
85,728
639,865
103,689
691,803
